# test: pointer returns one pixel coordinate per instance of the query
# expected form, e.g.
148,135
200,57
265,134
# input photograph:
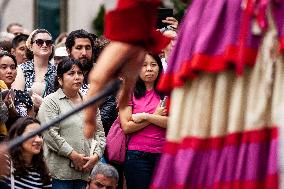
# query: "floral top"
84,89
29,74
22,102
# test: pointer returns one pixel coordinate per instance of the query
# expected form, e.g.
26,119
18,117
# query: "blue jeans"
68,184
138,168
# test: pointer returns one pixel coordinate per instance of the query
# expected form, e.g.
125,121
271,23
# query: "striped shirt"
33,180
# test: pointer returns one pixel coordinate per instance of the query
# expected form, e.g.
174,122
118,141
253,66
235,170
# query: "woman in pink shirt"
145,121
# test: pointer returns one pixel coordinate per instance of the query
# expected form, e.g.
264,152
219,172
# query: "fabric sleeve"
48,111
99,136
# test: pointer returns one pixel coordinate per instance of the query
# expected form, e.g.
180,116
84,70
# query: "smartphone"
4,93
8,92
162,14
163,103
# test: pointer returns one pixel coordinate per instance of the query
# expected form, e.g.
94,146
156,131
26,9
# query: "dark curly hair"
70,40
18,39
100,43
38,162
140,87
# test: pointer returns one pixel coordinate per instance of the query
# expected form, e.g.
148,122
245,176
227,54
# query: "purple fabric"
278,13
116,142
151,138
209,27
247,162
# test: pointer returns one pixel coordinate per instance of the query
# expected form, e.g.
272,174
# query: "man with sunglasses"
103,176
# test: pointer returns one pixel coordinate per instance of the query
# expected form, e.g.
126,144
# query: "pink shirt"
152,137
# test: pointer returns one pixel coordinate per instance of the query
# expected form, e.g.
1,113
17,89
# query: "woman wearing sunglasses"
37,76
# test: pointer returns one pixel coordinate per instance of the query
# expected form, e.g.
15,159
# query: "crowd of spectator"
42,78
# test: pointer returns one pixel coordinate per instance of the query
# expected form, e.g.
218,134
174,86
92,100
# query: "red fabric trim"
171,148
168,105
165,83
195,143
270,182
125,4
206,63
127,25
282,44
244,30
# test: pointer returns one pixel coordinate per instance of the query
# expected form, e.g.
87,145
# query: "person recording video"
167,25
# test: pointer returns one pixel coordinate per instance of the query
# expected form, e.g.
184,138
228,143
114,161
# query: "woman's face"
72,80
42,45
8,70
150,70
33,145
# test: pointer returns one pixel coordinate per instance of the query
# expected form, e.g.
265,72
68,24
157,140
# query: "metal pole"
110,89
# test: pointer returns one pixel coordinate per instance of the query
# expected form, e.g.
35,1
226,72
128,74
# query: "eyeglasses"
40,42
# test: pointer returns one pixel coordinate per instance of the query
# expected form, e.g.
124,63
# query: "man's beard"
87,66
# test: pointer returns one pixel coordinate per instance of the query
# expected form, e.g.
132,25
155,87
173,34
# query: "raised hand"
171,21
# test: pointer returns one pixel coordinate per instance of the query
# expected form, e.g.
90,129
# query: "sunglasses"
40,42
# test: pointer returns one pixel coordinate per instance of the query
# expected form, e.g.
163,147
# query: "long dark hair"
38,162
64,66
140,87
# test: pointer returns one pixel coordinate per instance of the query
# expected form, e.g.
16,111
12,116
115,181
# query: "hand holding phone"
163,102
162,14
172,22
4,93
8,96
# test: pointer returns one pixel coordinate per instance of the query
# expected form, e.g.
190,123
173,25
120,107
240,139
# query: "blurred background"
54,15
62,15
